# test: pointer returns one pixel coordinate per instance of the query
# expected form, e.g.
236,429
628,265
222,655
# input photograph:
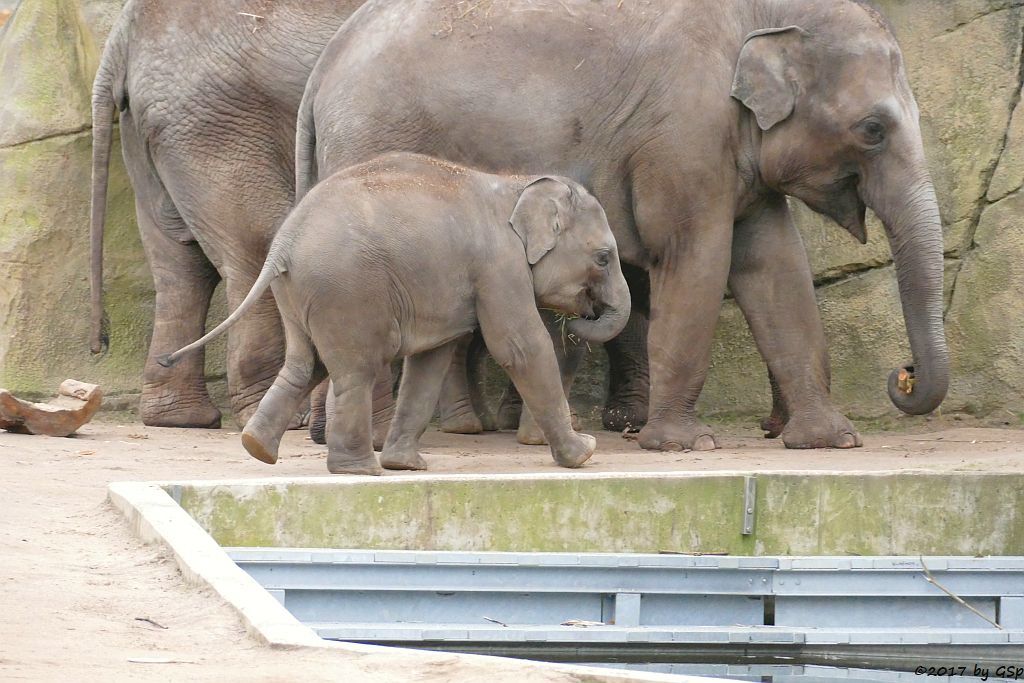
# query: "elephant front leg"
629,380
318,413
422,379
776,422
522,346
568,353
774,288
687,286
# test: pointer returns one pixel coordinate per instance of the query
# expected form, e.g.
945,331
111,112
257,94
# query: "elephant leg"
455,406
522,346
776,422
184,280
318,413
568,354
510,410
629,381
475,356
301,373
383,405
383,410
423,376
350,436
773,286
256,342
688,281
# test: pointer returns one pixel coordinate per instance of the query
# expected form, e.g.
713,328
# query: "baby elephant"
401,256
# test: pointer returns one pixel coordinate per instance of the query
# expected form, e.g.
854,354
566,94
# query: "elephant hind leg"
301,373
184,280
422,380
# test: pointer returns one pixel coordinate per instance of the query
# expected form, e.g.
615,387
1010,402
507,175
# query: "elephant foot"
347,463
773,425
402,459
463,423
530,434
813,430
578,450
665,435
259,448
175,410
624,418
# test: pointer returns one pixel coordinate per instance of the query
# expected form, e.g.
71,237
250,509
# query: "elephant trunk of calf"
615,300
915,234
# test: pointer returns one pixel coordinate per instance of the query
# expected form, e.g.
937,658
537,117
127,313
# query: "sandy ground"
75,582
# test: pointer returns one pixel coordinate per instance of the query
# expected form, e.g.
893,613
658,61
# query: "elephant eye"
872,132
602,258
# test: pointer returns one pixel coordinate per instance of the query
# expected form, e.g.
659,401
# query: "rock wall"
49,51
965,67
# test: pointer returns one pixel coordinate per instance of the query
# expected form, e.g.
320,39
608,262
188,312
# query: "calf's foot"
347,463
576,451
397,458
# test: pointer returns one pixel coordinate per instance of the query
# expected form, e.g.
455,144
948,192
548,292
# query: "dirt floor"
76,583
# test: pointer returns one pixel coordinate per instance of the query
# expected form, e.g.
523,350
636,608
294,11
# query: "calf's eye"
602,259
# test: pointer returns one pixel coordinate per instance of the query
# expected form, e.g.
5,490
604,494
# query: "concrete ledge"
156,518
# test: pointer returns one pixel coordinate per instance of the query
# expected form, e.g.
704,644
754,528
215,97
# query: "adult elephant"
690,120
207,94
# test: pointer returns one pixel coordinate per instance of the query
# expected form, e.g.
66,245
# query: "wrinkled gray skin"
207,101
403,256
690,120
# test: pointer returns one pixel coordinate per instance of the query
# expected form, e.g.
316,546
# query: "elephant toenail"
846,440
705,442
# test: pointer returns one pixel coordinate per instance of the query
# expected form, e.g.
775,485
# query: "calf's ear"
540,214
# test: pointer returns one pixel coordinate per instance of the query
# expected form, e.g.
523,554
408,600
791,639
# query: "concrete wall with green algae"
796,514
49,51
964,60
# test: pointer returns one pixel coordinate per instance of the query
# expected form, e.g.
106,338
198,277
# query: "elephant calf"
401,256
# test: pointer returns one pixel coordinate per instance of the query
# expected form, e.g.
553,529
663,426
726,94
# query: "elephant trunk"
915,236
615,300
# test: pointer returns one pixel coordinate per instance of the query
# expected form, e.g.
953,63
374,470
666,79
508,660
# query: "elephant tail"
273,267
108,92
305,145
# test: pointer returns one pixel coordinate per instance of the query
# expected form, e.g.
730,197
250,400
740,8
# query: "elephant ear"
539,215
763,81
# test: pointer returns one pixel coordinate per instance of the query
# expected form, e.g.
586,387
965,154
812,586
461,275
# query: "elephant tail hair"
273,267
305,146
108,93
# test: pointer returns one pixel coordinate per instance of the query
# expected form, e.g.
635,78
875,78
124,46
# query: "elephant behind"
691,121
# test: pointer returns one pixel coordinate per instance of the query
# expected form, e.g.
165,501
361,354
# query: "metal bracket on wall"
749,501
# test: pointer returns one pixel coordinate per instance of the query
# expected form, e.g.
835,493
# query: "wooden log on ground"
76,403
